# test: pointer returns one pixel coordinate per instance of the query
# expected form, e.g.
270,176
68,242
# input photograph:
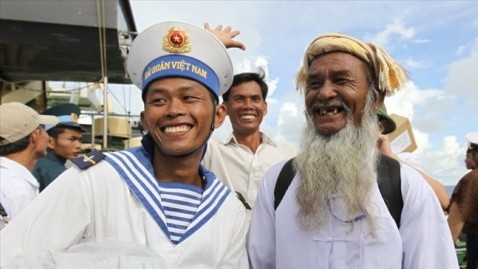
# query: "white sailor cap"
472,138
176,49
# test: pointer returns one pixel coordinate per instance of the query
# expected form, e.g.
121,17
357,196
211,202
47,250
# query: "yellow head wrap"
390,75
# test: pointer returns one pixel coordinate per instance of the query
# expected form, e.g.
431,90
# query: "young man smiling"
157,195
241,161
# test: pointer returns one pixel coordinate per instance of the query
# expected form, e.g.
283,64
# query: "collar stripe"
134,166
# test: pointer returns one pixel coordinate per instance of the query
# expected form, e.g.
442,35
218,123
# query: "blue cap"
67,115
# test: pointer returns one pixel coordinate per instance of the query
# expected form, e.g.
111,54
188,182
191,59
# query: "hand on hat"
226,36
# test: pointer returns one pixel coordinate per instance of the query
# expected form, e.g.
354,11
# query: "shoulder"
87,160
280,145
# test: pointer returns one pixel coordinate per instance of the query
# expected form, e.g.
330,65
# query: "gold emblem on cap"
176,40
74,117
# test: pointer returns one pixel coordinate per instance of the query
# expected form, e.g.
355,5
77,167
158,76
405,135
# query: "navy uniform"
120,198
51,166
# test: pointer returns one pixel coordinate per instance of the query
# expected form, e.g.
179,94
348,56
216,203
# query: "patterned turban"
390,76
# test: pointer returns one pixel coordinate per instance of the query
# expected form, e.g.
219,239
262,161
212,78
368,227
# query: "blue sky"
436,41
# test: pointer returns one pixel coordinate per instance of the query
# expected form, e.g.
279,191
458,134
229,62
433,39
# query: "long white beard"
344,163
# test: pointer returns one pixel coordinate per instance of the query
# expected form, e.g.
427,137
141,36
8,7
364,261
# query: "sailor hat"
472,138
176,49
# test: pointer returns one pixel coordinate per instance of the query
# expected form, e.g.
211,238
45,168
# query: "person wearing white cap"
157,195
463,217
23,140
333,214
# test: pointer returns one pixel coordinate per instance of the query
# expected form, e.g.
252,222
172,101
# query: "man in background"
23,140
388,125
463,217
242,160
64,143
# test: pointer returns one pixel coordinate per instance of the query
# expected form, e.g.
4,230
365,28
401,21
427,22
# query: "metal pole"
105,112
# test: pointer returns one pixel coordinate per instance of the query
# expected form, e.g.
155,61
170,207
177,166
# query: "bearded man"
332,214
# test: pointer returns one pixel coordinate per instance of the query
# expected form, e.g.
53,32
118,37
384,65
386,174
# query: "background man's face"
67,145
246,107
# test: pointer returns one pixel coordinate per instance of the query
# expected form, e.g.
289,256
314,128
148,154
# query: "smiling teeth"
324,112
248,117
176,129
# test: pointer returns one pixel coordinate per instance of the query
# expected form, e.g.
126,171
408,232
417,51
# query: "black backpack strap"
389,183
3,212
283,181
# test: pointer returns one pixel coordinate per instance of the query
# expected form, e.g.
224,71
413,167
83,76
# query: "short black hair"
55,131
246,77
16,146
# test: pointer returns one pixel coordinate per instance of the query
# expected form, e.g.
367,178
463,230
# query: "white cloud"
398,28
414,64
462,78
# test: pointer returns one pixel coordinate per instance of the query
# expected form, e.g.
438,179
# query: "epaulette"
84,161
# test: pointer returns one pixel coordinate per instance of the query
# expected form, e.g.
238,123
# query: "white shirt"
18,187
96,204
241,169
423,241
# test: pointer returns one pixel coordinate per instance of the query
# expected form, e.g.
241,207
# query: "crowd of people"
186,200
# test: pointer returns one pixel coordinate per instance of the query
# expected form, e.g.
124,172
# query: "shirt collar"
265,140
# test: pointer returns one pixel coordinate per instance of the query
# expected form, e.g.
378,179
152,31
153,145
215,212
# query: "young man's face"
246,107
336,80
67,145
178,114
471,159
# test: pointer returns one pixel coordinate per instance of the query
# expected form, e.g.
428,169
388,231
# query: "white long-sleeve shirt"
18,187
423,240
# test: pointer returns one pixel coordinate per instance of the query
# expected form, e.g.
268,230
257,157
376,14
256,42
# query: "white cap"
18,121
472,138
176,49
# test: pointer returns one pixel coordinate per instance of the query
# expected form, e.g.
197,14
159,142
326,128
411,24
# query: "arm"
426,237
455,221
236,254
261,242
226,36
438,188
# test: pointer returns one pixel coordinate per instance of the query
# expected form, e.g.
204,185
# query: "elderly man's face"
336,87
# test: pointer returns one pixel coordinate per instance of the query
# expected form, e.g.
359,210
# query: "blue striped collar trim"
134,166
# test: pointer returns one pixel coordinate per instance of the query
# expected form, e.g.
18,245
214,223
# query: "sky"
436,42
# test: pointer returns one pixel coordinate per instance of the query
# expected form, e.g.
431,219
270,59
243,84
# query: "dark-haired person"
64,143
157,196
463,217
23,140
241,161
